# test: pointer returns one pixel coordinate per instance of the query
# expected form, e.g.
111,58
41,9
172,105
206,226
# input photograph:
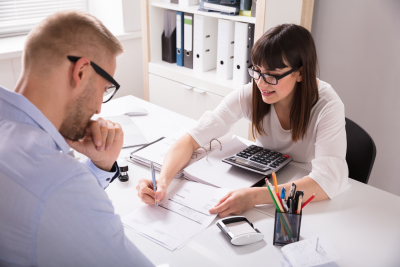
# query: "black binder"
169,47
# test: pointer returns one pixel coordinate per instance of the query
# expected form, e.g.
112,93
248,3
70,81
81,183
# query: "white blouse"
324,144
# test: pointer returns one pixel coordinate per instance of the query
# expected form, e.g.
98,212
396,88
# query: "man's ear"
300,77
80,71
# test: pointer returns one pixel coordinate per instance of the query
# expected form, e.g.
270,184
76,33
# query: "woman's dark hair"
291,44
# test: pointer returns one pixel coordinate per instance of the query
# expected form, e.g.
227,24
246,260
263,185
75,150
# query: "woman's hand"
235,202
146,192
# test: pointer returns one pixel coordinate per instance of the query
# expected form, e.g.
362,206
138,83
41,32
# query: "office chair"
361,152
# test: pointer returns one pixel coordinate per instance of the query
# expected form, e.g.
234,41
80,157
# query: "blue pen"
283,192
153,177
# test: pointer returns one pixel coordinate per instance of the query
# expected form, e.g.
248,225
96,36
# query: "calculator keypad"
261,158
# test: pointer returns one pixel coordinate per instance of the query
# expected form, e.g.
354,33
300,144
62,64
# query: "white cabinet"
187,100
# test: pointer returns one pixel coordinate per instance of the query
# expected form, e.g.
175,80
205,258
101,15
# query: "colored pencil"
273,199
299,205
308,200
275,182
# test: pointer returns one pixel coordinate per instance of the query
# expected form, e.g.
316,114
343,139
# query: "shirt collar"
21,103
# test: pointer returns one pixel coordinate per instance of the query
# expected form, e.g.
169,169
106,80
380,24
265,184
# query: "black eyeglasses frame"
101,72
277,77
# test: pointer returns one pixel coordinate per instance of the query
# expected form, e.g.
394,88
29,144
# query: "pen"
285,205
292,190
283,193
308,200
153,177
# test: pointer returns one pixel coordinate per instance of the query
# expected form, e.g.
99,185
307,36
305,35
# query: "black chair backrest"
361,152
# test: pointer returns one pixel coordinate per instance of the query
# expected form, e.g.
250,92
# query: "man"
53,209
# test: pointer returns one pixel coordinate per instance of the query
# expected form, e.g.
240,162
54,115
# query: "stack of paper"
212,171
181,215
317,251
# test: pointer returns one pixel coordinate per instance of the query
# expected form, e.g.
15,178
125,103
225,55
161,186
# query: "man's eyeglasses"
110,91
268,78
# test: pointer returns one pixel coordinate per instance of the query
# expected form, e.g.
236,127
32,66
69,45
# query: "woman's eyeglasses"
110,91
268,78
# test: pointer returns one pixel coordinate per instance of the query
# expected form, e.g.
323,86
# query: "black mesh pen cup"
286,228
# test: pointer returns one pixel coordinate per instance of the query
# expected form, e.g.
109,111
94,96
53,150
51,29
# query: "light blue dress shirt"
53,209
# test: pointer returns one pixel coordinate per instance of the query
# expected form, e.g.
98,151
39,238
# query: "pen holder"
286,228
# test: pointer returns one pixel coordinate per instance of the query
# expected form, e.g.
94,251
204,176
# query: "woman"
291,112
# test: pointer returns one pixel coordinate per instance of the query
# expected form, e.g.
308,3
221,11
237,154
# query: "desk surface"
362,223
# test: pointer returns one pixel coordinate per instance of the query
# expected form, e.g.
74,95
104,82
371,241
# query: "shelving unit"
194,10
203,90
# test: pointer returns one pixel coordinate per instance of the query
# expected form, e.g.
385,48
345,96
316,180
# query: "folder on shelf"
188,40
225,50
205,38
179,38
242,50
168,38
250,39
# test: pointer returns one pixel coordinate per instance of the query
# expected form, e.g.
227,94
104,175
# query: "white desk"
362,223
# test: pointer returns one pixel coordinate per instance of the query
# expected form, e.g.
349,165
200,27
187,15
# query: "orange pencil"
275,182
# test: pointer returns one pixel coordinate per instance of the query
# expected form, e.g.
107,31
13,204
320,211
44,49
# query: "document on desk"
317,251
181,215
132,135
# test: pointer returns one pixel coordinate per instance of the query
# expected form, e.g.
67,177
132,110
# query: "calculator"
259,159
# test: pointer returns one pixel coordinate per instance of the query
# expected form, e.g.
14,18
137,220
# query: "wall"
358,46
129,73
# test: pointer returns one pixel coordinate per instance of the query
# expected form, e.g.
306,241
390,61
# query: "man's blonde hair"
74,33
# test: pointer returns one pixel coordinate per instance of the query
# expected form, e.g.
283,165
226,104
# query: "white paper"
132,135
311,252
182,214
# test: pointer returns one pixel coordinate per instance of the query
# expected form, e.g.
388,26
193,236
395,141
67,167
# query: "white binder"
240,59
205,40
226,41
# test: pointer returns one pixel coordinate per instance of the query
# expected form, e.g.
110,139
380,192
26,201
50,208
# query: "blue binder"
179,38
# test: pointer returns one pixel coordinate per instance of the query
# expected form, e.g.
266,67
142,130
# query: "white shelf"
203,80
194,10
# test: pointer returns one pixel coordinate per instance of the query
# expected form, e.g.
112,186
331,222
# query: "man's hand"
146,191
102,143
234,202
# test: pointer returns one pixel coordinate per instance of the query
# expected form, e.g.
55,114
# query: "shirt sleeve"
104,178
217,123
78,227
329,168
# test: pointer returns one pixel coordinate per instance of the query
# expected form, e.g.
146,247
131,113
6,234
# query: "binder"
179,38
241,53
250,39
168,38
225,50
188,40
205,38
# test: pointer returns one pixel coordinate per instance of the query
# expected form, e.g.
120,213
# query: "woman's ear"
300,75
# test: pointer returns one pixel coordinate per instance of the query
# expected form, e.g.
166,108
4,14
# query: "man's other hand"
102,143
